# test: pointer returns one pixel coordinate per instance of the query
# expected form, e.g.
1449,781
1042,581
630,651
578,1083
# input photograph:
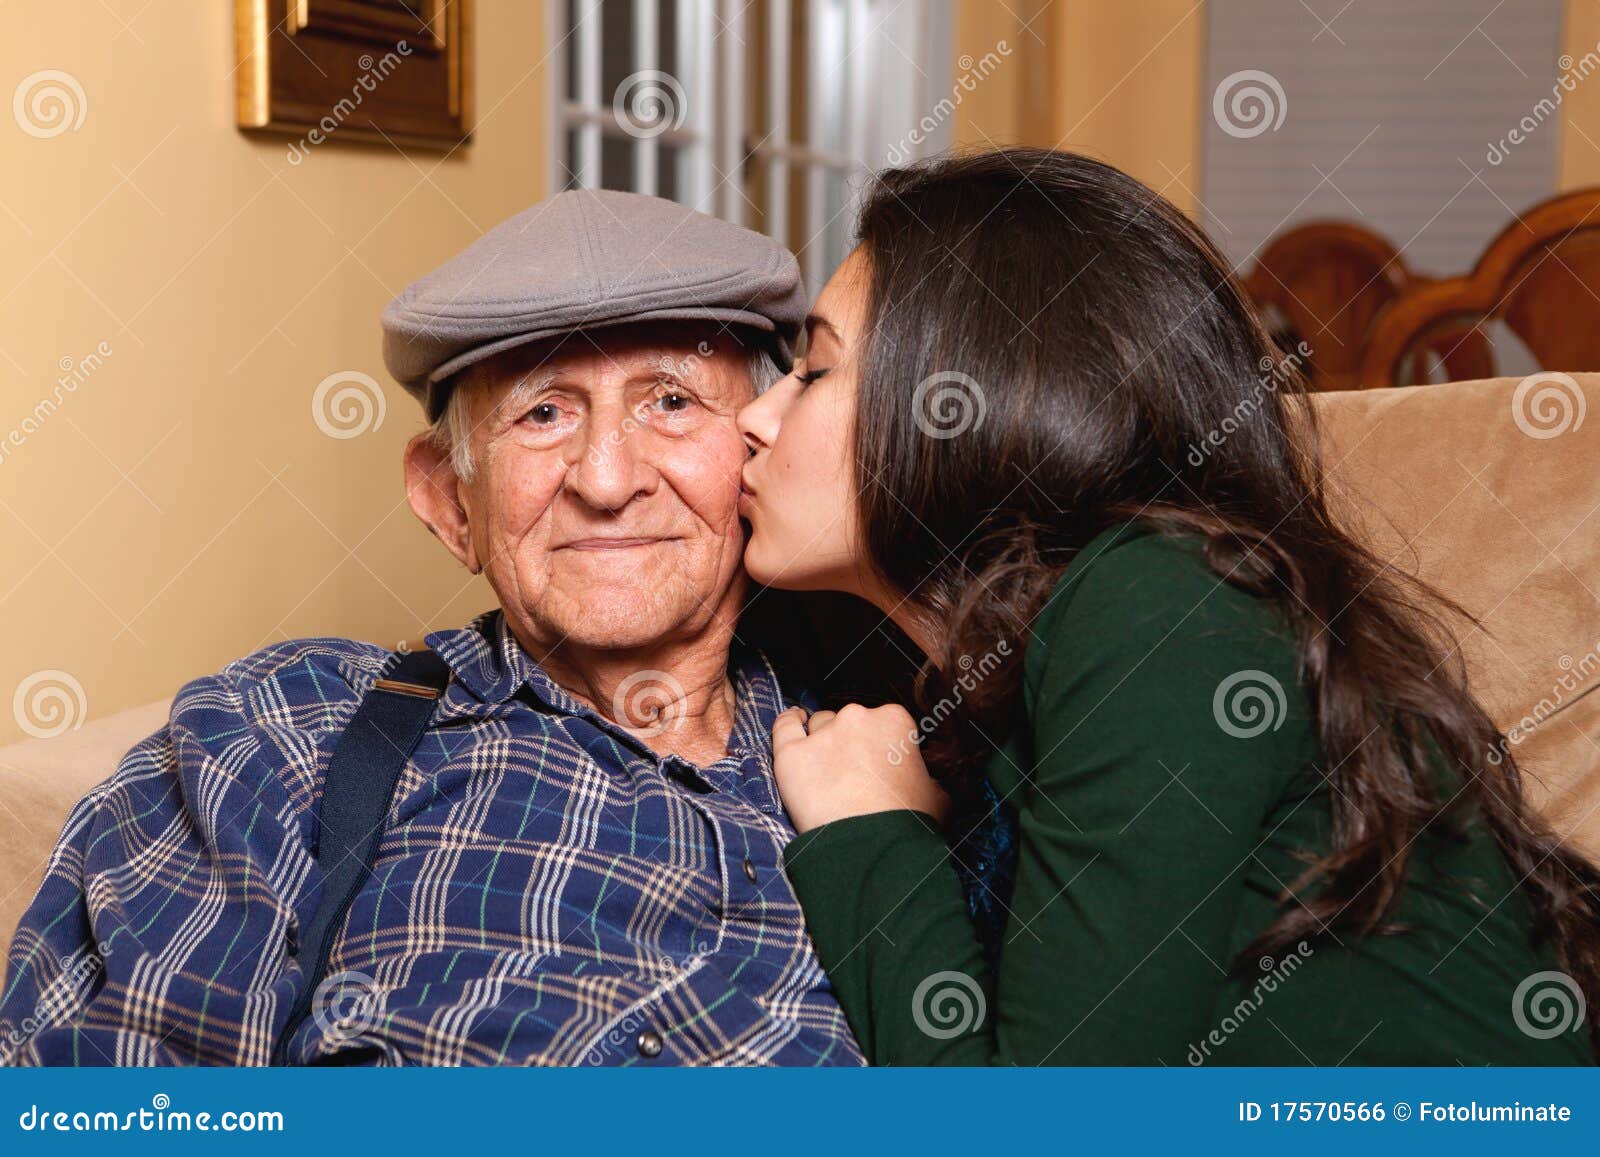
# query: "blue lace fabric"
986,861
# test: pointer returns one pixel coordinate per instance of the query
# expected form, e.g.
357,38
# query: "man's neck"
673,695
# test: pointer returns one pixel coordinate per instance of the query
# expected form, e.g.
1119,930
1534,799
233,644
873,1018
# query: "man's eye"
544,414
673,403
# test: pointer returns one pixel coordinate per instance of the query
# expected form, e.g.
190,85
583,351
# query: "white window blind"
1387,114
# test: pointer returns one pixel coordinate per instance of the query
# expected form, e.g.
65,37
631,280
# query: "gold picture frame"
366,70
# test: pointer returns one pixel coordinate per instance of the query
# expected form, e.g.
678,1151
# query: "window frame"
716,136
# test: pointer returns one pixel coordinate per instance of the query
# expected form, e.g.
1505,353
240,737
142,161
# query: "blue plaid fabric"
548,890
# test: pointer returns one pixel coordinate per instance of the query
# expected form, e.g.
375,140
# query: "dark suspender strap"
356,796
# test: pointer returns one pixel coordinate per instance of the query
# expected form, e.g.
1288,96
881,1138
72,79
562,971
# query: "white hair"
451,432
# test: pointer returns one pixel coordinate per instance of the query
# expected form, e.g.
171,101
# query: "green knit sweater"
1166,784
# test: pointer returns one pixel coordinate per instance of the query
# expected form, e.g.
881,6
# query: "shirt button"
649,1043
749,871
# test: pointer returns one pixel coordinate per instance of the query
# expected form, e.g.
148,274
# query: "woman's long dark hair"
1104,341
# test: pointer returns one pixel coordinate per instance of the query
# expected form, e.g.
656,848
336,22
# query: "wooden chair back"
1540,277
1324,282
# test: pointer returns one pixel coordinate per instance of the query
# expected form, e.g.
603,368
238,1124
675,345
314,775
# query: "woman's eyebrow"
815,321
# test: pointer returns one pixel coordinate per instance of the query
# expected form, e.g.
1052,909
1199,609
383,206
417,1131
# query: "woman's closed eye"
812,375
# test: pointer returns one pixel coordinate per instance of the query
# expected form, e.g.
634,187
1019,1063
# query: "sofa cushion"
41,779
1490,490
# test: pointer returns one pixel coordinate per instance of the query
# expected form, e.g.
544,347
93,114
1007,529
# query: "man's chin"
619,614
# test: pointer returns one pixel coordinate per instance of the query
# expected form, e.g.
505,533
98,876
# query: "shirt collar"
488,661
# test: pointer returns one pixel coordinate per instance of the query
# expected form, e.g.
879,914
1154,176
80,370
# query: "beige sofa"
1490,490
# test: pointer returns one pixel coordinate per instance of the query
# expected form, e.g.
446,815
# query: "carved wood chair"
1540,277
1324,282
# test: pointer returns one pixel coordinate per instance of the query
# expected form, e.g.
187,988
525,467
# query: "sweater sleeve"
1166,721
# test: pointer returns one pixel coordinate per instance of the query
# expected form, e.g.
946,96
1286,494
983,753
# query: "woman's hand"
852,762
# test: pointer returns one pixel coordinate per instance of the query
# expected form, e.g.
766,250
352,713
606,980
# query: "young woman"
1211,767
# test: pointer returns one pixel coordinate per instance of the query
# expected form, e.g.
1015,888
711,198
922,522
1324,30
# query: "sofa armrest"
41,780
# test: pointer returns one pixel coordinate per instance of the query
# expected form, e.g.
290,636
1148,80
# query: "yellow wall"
1580,133
1119,81
181,507
1127,82
1009,104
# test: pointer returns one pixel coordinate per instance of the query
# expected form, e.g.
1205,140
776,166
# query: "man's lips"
610,543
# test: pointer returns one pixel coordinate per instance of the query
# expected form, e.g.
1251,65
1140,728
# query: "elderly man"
552,837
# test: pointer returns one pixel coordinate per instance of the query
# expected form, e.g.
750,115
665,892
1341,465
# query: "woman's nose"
757,421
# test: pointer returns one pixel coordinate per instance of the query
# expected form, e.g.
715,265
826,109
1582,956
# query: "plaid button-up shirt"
548,890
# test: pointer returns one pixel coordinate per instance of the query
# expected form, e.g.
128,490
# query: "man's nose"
610,470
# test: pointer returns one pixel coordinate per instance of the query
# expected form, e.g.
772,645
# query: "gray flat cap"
585,259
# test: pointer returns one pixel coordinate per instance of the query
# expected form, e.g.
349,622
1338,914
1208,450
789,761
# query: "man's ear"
434,492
